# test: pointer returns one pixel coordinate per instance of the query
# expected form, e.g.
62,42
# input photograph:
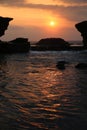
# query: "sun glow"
52,23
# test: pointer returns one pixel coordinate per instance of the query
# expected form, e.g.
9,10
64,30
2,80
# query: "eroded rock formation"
4,22
15,46
18,45
81,66
82,28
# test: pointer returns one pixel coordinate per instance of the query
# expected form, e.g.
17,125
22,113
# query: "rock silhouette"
61,64
15,46
81,66
4,22
18,45
82,28
52,44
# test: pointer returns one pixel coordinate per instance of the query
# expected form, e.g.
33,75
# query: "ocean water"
35,95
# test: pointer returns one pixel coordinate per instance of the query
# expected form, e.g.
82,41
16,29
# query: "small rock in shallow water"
81,66
61,64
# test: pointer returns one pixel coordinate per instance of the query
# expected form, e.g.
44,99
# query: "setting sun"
52,23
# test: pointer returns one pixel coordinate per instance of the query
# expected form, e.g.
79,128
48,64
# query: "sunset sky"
36,19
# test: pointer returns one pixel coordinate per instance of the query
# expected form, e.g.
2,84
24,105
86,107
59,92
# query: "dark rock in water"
82,28
81,66
19,40
61,64
20,45
4,22
52,44
17,45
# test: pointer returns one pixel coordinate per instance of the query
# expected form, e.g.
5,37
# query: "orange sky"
32,18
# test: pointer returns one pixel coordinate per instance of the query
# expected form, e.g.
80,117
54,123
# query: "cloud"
70,12
72,1
73,11
12,2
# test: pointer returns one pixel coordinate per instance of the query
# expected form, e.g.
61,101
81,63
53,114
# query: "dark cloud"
75,13
72,12
72,1
75,0
12,2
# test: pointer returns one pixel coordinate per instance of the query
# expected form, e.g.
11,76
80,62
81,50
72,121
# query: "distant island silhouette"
55,44
23,45
52,44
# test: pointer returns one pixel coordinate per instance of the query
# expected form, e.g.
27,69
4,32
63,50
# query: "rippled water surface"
35,95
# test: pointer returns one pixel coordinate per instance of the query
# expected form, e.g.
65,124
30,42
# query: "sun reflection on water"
34,94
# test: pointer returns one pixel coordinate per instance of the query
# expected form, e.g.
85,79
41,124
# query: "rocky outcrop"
52,44
82,28
4,22
18,45
15,46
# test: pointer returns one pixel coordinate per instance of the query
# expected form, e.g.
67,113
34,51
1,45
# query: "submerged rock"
81,66
61,65
82,28
4,22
